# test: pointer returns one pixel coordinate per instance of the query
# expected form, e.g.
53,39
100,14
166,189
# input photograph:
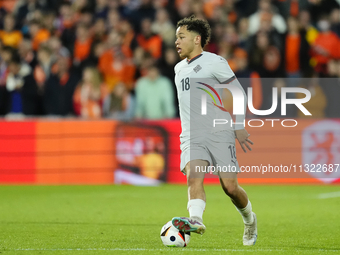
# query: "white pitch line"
329,195
167,249
144,249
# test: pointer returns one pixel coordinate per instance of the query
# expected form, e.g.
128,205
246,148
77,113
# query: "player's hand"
242,137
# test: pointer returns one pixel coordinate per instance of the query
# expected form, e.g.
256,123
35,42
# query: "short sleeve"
222,71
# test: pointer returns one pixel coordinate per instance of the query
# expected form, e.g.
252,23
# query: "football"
172,237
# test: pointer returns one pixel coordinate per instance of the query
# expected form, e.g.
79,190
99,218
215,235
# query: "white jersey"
198,77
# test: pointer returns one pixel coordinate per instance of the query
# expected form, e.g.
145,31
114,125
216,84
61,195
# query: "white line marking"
168,249
329,195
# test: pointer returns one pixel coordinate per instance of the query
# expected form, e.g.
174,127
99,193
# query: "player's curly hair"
199,26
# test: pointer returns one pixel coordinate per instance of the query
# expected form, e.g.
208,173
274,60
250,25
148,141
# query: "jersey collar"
194,58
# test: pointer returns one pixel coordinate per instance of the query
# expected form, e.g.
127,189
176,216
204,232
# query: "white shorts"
218,149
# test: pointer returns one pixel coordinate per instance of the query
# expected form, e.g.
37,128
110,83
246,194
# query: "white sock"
246,213
196,208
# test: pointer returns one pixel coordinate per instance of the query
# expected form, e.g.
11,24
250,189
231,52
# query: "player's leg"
196,198
196,193
236,193
240,199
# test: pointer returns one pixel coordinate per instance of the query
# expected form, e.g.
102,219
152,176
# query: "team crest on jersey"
197,68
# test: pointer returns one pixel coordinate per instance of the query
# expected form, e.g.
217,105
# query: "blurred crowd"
116,58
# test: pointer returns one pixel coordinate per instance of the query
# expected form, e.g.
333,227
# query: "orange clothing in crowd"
294,8
12,38
329,42
128,37
85,106
42,36
8,4
82,49
153,45
257,90
293,43
117,69
210,6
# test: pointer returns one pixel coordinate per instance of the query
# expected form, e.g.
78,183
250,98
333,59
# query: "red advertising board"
105,152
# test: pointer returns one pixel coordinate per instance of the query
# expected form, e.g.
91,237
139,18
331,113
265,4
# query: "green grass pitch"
128,219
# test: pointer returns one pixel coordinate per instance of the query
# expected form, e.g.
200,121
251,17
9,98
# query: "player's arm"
240,132
225,75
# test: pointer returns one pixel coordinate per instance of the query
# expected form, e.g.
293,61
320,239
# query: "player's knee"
187,169
193,171
195,182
